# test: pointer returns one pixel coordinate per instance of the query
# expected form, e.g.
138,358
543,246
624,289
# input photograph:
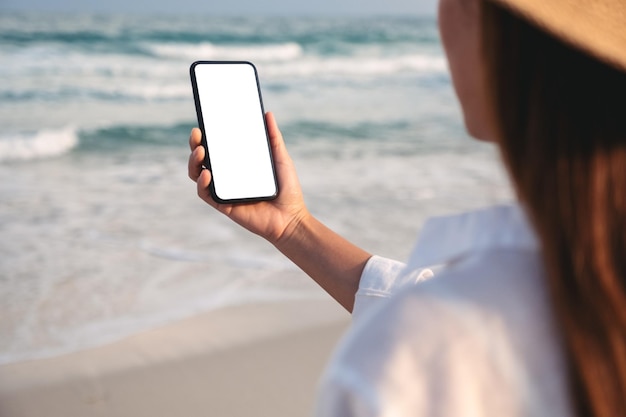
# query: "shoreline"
258,359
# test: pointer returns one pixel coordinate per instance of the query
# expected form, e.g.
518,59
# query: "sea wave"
358,66
291,58
50,143
41,144
207,51
89,31
121,136
118,78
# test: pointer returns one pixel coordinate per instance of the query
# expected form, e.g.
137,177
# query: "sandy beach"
262,360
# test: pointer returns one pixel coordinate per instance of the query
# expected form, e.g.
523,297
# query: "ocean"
101,232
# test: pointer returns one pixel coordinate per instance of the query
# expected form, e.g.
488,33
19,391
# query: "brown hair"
561,123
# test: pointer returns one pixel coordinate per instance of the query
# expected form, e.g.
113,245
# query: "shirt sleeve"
423,354
380,279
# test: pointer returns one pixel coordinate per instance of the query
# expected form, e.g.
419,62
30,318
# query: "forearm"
332,261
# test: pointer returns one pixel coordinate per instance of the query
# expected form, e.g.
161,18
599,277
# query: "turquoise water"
101,234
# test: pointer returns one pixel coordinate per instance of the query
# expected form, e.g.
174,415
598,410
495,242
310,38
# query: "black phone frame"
207,160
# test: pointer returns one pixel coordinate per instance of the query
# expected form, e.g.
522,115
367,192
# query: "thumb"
276,138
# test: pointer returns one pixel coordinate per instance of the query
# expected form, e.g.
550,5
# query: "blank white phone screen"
234,128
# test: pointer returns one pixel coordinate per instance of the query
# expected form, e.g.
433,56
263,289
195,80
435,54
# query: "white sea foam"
42,144
207,51
358,66
65,74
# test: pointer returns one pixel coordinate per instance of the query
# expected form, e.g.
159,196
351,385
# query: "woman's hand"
273,220
333,262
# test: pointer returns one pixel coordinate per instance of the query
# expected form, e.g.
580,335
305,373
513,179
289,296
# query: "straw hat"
595,26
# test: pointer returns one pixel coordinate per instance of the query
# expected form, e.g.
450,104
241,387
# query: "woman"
523,318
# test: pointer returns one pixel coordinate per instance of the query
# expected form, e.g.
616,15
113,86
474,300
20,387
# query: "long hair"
561,125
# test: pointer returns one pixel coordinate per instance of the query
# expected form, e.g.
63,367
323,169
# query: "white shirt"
477,340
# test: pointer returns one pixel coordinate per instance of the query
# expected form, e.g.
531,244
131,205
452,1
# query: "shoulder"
447,345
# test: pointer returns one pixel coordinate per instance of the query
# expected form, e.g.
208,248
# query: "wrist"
294,231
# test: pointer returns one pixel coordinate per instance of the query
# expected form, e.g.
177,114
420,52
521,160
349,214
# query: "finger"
205,194
195,138
196,159
203,180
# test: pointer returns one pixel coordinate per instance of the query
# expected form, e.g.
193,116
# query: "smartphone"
234,133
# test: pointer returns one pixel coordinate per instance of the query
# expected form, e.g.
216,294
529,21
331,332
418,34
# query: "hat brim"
597,27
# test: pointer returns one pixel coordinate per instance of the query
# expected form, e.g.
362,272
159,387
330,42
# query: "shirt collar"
448,238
